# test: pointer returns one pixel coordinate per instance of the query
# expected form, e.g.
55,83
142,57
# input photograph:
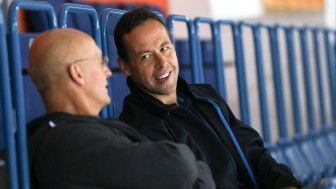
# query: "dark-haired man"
164,107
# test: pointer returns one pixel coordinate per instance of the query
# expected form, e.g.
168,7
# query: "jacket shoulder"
205,91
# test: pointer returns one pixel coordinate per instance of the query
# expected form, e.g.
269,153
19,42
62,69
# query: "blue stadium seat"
188,46
313,154
67,9
240,67
80,21
286,150
208,60
119,91
277,153
288,153
37,21
117,82
262,82
318,158
108,22
311,146
183,56
325,146
92,24
118,88
298,162
207,49
7,142
183,52
34,105
258,50
319,141
331,135
329,38
325,137
210,55
302,148
16,65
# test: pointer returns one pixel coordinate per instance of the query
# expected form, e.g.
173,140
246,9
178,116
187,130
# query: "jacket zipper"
233,138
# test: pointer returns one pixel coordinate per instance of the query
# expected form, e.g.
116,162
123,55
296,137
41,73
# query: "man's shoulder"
68,124
201,87
82,131
205,91
139,117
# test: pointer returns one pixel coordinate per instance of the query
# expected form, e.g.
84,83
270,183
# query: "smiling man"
164,107
152,63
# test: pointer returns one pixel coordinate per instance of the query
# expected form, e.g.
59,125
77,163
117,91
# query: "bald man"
71,147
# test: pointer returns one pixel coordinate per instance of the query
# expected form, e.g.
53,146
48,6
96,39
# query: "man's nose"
107,72
160,61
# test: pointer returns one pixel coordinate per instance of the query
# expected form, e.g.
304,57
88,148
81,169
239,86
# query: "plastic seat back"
196,75
7,141
18,91
183,56
209,57
68,9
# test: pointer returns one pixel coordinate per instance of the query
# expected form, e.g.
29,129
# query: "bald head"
66,67
52,51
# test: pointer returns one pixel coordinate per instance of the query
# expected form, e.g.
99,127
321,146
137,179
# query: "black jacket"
197,123
84,152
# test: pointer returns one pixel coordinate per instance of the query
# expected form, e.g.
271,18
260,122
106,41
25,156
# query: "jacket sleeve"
157,129
268,172
99,156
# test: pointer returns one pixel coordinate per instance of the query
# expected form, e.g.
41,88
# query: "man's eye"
144,57
165,48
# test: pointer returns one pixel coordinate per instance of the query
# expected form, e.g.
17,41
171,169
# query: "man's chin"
107,102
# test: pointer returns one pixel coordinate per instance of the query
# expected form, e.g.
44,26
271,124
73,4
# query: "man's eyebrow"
148,51
142,52
165,43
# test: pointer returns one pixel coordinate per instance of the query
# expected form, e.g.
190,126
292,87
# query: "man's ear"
76,74
124,67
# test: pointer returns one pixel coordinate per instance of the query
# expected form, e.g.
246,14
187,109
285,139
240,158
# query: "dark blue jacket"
197,123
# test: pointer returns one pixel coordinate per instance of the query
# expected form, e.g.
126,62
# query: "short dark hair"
127,23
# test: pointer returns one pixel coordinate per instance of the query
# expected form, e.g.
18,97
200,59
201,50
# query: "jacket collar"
186,92
151,102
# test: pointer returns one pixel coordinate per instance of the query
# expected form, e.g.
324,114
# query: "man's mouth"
163,76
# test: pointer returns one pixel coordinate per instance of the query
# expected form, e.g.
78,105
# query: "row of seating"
38,21
310,154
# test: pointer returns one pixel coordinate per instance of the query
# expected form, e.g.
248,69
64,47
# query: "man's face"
96,73
152,64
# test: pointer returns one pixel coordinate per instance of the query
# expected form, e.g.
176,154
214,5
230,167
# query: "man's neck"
167,99
70,106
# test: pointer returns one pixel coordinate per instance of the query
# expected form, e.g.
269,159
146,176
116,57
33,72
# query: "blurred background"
298,13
